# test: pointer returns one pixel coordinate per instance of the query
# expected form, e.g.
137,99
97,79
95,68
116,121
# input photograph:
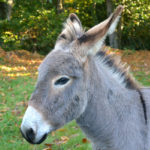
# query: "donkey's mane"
72,29
118,69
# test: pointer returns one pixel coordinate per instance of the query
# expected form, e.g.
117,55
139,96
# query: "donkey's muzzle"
30,136
34,127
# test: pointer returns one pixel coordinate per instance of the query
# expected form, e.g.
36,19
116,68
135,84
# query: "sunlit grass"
19,63
20,74
9,69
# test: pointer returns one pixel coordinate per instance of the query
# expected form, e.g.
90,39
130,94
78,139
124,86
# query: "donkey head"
61,90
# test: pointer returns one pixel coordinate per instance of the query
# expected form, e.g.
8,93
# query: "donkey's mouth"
42,139
31,139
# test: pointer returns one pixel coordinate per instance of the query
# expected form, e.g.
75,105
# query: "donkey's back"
146,95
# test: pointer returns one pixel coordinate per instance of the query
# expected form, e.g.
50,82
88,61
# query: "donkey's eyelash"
62,81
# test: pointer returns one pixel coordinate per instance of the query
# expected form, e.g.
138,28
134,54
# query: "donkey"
78,80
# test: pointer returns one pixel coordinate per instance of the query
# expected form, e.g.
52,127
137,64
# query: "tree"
58,4
10,4
113,38
6,9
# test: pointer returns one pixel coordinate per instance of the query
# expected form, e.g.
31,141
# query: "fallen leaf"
47,148
84,140
16,112
20,117
49,145
74,135
12,141
22,103
3,94
64,139
4,110
61,130
53,133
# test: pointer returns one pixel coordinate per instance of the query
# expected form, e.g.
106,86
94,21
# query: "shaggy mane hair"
118,68
72,30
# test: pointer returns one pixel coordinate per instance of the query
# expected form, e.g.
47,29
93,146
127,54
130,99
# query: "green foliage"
32,27
35,25
84,10
135,23
3,9
99,1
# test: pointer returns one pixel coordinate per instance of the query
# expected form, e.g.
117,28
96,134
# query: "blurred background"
35,24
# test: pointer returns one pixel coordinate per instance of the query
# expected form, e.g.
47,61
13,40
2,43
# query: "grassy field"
17,80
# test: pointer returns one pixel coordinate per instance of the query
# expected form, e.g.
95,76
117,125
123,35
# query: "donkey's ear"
72,31
92,40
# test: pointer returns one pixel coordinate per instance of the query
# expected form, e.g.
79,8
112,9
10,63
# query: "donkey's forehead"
60,63
56,59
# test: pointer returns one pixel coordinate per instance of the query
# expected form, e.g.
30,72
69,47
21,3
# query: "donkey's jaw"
34,128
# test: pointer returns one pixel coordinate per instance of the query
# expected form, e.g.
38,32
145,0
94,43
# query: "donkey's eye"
62,81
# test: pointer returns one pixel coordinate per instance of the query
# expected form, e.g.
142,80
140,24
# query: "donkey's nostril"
30,135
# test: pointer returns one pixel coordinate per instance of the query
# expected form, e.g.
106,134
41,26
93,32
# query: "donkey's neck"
113,118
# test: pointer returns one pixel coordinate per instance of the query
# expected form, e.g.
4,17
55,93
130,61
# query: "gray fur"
109,112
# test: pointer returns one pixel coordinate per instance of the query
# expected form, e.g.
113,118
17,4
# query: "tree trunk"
6,9
9,9
59,6
113,38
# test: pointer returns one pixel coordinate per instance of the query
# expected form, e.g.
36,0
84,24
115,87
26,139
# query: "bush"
31,27
35,25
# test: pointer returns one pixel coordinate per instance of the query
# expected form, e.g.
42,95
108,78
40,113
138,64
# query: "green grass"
14,91
142,78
